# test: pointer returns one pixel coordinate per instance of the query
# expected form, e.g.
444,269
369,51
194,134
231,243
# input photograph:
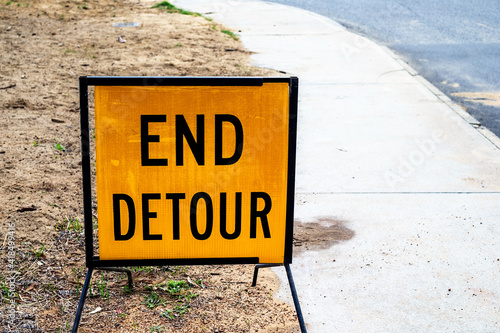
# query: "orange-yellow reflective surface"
262,167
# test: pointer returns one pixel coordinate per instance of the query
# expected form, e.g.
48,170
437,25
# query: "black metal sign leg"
295,299
256,271
82,300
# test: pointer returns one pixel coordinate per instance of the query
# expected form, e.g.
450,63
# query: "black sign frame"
93,262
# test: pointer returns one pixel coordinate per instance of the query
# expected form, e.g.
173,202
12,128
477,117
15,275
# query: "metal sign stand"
291,283
95,263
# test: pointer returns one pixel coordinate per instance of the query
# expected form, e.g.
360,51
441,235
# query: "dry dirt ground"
45,45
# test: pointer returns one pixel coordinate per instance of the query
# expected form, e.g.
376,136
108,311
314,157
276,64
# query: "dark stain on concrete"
321,233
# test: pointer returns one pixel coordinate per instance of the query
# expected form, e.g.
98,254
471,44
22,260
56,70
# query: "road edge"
486,133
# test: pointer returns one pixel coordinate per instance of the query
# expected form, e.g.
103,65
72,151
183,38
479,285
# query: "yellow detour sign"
194,171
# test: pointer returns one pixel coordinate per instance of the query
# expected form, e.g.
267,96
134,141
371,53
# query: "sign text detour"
192,171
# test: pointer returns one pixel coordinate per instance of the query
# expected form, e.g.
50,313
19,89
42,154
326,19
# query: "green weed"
158,328
165,5
74,225
168,314
146,269
230,34
70,224
153,300
169,8
181,309
179,270
176,288
102,287
127,290
178,311
40,252
59,147
5,291
95,225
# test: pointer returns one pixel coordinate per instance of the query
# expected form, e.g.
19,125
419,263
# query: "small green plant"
58,146
176,270
102,287
8,3
165,5
74,224
153,300
178,311
95,225
35,144
158,328
168,314
146,269
40,252
127,290
5,291
230,34
176,288
181,309
169,8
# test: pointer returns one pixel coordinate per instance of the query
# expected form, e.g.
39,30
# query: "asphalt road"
453,44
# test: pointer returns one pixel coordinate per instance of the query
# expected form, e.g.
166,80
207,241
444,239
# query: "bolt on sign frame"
190,171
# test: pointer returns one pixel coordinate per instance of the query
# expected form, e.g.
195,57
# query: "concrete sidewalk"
395,161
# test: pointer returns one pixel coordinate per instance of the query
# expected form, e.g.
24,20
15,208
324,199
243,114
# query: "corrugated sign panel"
192,171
